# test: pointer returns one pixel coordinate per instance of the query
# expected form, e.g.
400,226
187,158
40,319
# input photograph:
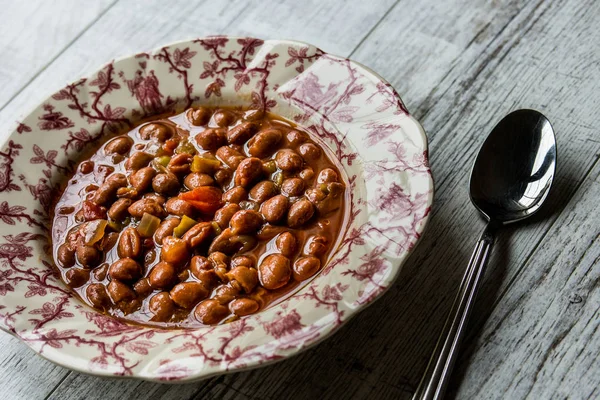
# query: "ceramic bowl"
357,114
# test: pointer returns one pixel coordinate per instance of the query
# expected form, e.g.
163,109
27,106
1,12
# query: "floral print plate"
358,115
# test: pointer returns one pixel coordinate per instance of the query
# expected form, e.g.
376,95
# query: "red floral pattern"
358,115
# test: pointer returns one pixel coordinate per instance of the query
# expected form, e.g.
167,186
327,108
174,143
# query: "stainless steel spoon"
510,180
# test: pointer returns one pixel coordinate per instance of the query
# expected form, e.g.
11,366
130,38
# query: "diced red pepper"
206,199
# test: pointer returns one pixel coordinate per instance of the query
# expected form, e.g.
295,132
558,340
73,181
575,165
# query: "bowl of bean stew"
208,206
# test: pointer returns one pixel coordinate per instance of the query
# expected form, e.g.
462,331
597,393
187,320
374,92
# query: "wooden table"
460,66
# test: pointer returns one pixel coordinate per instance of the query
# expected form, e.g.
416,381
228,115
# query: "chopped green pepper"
204,165
216,228
163,160
148,225
185,225
185,147
270,166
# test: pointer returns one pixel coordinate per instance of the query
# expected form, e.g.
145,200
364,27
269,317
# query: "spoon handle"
434,381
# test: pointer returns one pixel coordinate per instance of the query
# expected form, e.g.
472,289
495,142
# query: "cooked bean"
225,293
235,195
327,199
88,256
210,312
188,294
287,244
288,160
127,193
223,243
175,251
141,179
223,176
162,306
179,207
166,184
292,187
138,160
327,175
100,272
264,143
143,287
130,244
300,212
212,138
65,256
162,275
230,156
149,206
198,116
158,131
197,179
307,174
316,246
245,221
246,277
248,171
108,241
166,229
239,134
118,291
223,215
198,234
119,145
305,267
243,261
243,306
108,190
86,167
118,211
180,164
274,271
160,199
125,269
76,277
275,208
296,137
223,118
309,152
263,191
96,294
150,256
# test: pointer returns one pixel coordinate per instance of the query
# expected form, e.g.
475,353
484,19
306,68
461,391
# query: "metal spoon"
510,180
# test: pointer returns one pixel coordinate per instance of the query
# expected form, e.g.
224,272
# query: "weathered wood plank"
33,33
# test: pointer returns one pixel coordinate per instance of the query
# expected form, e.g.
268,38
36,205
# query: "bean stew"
198,218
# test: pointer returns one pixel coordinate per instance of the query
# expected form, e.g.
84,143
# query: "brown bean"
300,212
141,179
274,271
242,261
162,275
143,287
264,143
96,294
175,251
166,184
246,277
118,211
119,145
118,291
326,199
223,243
239,134
316,246
158,131
305,267
130,244
235,195
108,190
307,174
162,306
248,171
108,241
223,176
296,137
245,221
166,229
223,117
197,179
288,160
212,138
202,269
225,293
263,191
156,197
65,256
198,116
149,206
125,270
188,294
287,244
180,164
309,152
198,234
138,160
77,277
243,306
223,215
229,156
210,312
275,208
88,256
86,167
327,175
100,272
179,207
150,255
292,187
127,193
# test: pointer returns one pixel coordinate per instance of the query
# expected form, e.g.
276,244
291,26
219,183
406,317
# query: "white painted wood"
460,66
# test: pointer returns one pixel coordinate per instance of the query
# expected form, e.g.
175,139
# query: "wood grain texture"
459,66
